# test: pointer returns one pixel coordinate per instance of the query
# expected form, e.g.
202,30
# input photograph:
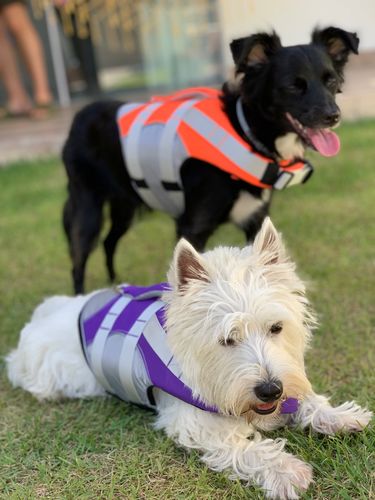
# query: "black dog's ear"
338,43
254,49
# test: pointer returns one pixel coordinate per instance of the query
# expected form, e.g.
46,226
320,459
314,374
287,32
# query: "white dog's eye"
276,328
227,341
233,337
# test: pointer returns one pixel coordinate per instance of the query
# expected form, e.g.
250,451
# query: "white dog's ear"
268,244
188,264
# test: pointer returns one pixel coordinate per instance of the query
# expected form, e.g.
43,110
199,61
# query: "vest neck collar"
247,131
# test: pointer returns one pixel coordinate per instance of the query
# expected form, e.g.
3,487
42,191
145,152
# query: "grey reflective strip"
141,379
241,118
125,368
178,199
132,157
166,163
173,201
226,144
95,301
122,111
247,130
98,344
175,368
287,179
283,180
157,190
132,145
180,154
153,308
128,349
126,108
155,335
110,362
148,197
142,158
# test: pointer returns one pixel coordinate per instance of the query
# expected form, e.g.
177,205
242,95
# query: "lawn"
107,449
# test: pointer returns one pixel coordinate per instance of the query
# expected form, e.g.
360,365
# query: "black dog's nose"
269,391
332,118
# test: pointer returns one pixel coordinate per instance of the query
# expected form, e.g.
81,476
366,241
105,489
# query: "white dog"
231,364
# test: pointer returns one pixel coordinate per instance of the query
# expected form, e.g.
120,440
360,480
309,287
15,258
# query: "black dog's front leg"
209,197
254,222
197,224
250,209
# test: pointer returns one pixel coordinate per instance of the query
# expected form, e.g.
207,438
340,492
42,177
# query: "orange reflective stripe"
125,121
293,167
163,113
198,147
187,93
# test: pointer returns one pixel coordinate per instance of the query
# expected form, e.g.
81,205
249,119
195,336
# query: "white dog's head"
238,323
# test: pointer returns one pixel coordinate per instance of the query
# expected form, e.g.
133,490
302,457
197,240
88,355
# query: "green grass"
107,449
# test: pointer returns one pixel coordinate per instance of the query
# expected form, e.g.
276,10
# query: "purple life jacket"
123,338
124,342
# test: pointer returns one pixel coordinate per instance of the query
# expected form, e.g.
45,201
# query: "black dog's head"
289,92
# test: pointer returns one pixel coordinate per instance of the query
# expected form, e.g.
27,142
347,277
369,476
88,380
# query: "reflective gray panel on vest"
226,144
153,171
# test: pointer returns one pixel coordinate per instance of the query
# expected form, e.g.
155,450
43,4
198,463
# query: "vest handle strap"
290,178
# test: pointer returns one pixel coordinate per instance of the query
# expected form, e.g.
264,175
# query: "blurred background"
131,49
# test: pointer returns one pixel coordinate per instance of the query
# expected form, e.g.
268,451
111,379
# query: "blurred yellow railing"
109,22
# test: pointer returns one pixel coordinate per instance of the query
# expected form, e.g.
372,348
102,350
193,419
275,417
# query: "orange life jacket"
159,135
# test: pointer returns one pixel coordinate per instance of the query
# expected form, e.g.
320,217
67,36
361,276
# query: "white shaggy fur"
220,314
48,361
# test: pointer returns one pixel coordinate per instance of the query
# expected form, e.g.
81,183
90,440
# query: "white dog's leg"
48,361
316,411
230,444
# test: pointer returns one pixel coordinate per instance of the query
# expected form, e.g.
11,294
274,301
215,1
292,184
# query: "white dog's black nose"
269,391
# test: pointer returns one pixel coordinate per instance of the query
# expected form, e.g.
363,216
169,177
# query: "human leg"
18,22
17,99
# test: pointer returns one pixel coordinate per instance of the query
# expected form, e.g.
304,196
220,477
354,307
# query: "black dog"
287,96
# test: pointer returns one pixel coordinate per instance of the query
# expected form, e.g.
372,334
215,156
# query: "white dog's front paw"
289,479
348,417
354,418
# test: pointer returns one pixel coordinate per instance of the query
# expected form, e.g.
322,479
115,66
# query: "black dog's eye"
298,86
229,341
276,328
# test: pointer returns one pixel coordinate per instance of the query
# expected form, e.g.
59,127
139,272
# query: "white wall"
294,20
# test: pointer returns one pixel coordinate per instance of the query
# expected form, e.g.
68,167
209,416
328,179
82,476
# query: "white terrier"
231,364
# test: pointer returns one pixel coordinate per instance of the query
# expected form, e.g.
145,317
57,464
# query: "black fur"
302,80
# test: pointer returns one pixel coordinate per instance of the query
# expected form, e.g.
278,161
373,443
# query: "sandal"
6,114
42,111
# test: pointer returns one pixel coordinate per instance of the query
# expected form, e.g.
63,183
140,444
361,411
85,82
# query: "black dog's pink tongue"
325,141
